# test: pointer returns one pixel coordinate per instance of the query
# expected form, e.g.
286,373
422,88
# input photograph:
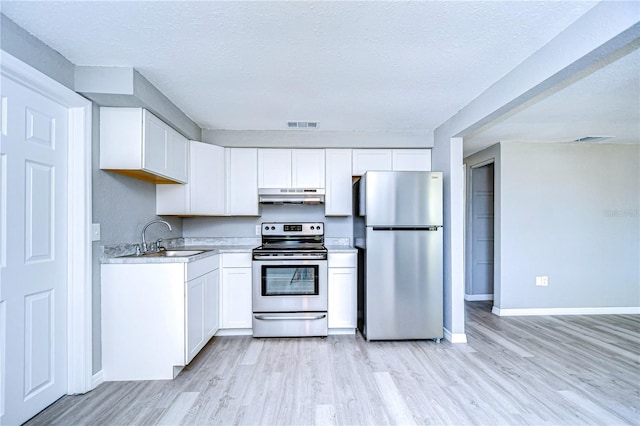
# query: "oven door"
289,285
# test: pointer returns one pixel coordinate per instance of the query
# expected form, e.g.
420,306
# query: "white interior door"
33,252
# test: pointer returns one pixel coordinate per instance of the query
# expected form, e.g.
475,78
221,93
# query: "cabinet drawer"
342,260
202,266
236,260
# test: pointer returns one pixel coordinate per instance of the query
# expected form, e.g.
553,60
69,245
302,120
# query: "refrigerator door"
402,198
403,285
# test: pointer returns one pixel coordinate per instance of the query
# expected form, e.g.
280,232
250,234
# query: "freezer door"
403,285
402,198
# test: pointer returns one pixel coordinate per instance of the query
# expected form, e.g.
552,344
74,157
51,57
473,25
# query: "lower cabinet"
343,292
156,316
235,304
202,312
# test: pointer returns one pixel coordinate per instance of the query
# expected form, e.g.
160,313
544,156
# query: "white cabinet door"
177,156
207,180
136,143
211,316
338,183
204,195
412,159
242,182
195,317
371,159
307,168
274,168
155,144
342,298
236,307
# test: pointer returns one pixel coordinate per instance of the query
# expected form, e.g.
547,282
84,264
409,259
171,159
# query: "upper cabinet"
222,182
411,160
291,168
135,143
371,159
204,195
338,182
242,182
391,159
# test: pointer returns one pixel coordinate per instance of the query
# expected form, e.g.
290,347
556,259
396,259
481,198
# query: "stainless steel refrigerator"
398,233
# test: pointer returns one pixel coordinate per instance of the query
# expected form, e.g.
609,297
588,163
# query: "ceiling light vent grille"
302,124
593,138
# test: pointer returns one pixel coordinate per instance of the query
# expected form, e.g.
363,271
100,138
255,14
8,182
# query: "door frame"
79,250
469,226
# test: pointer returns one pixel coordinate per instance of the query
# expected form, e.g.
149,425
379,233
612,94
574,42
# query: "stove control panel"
289,228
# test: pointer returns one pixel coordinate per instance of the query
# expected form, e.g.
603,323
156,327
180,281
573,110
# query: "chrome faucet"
144,240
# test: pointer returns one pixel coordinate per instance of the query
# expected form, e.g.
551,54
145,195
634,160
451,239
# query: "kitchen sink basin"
179,253
169,253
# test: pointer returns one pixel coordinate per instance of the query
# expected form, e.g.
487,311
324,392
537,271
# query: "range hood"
291,195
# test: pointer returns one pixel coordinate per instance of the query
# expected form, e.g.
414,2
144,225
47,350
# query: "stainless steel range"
290,281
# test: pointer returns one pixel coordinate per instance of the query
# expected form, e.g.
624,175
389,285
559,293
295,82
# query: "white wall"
570,212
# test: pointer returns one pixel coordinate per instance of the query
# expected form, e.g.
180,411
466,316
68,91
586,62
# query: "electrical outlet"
95,232
257,229
542,281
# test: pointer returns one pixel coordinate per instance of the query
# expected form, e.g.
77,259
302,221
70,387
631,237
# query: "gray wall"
246,226
571,212
19,43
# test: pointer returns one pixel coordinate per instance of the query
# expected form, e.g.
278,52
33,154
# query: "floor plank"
513,370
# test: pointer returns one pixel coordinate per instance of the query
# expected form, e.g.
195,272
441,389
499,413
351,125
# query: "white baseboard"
97,379
632,310
455,337
235,332
477,297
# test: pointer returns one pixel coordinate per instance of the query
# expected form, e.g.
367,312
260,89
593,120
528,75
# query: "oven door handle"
289,257
266,317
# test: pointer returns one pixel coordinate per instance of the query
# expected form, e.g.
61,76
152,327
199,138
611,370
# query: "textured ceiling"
374,66
604,101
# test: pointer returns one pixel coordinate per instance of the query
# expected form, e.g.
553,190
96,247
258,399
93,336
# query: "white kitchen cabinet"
411,159
338,198
390,160
274,168
291,168
371,159
204,195
202,312
342,292
136,143
307,168
242,181
235,293
156,316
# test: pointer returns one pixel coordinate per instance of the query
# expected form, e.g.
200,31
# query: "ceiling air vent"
302,124
593,138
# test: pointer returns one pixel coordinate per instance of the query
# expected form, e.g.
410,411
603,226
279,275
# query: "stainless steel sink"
169,253
179,253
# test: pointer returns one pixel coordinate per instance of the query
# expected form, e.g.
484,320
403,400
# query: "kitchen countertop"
209,251
117,254
341,249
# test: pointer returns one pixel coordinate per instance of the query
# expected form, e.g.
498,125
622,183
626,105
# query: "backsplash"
222,227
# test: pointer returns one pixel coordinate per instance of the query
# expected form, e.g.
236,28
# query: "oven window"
289,280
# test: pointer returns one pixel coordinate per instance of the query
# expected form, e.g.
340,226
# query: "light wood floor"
514,370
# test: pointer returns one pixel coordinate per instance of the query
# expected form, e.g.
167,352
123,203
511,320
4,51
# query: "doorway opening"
480,276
